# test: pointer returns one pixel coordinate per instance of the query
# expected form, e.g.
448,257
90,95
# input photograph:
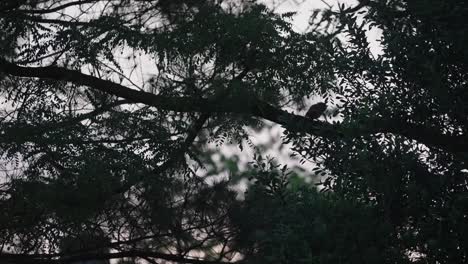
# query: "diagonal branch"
179,152
175,157
251,106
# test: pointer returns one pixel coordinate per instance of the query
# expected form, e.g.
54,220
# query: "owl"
316,110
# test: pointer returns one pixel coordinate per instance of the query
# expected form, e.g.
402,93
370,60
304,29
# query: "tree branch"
180,151
356,8
47,259
38,19
251,106
55,9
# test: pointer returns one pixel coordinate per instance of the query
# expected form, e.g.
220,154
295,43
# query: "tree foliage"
110,111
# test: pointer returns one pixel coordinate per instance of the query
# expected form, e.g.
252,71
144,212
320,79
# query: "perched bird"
316,110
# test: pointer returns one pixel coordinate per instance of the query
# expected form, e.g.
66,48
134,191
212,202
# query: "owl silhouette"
316,110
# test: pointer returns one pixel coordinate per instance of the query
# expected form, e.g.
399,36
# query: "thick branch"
179,104
250,106
46,259
38,19
57,8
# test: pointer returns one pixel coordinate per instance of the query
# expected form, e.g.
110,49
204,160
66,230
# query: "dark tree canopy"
112,112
